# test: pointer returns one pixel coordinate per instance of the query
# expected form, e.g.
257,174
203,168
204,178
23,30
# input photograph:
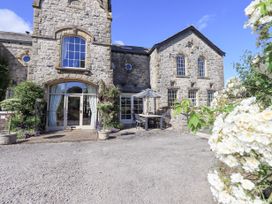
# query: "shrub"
28,92
27,97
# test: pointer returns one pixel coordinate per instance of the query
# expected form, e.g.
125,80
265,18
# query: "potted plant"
10,106
107,109
105,118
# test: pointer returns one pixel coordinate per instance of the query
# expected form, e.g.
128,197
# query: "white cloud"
11,22
204,21
119,42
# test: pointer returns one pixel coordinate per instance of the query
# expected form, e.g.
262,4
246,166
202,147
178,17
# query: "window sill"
65,69
183,77
205,78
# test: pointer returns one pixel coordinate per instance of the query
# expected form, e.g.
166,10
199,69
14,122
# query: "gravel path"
157,167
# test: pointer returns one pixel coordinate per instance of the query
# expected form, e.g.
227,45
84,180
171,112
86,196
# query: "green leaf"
195,122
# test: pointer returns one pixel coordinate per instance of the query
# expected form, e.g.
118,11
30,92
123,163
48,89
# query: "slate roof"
130,49
15,38
195,31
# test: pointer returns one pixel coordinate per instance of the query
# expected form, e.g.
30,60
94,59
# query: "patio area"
62,136
154,167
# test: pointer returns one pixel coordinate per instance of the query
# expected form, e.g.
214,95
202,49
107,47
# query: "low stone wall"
4,116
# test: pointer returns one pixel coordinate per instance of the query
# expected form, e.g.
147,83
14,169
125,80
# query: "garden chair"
139,121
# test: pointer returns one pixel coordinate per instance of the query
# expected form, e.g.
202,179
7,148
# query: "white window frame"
127,95
181,69
202,69
62,44
176,93
195,96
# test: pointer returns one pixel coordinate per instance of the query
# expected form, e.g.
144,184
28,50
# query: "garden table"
146,117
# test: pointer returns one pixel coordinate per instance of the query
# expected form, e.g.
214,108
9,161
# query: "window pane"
70,63
77,46
71,47
71,39
82,64
82,48
65,63
77,40
82,56
56,111
71,55
77,55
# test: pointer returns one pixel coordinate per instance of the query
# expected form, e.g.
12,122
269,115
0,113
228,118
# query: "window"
210,97
192,96
26,58
181,66
73,52
201,67
126,108
172,97
72,1
138,105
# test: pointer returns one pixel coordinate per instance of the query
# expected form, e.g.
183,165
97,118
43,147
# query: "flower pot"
103,134
6,138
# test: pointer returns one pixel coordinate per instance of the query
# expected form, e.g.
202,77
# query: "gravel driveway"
157,167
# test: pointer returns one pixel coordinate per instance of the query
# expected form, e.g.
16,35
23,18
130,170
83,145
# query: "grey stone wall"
54,19
163,68
14,52
132,81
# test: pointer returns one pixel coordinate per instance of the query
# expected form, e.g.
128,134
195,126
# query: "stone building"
70,51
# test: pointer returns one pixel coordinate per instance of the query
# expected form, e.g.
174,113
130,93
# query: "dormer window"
73,52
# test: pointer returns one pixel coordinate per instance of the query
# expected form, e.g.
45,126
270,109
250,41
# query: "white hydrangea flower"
215,181
251,164
231,161
236,178
247,184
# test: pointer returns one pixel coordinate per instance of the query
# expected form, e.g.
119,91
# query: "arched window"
73,52
181,66
201,67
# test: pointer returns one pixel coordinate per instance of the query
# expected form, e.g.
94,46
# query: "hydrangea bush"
242,141
233,92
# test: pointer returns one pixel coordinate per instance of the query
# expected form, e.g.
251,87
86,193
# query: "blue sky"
146,22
